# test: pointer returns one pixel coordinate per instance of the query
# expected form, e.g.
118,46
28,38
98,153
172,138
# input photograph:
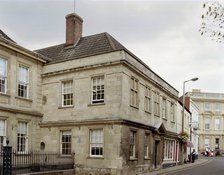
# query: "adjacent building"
210,130
20,95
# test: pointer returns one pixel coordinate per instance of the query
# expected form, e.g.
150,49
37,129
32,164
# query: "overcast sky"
164,34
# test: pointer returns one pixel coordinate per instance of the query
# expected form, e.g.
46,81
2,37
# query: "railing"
36,161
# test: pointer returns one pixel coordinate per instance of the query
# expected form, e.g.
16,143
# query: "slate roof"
2,34
86,46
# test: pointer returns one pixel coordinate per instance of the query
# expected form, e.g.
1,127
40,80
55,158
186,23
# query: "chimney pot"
73,28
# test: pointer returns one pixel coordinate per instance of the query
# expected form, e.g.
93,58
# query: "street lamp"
193,79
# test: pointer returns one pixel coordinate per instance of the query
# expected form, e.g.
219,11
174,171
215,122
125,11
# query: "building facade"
92,97
210,119
20,96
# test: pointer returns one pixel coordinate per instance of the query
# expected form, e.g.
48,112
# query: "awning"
190,144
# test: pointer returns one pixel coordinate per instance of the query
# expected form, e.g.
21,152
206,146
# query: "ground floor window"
146,146
132,144
96,142
22,137
2,134
66,142
169,149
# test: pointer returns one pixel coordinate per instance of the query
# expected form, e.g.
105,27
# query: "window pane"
96,142
66,142
98,89
67,93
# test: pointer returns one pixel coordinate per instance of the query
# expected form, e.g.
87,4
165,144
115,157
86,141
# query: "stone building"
89,96
20,95
106,105
211,107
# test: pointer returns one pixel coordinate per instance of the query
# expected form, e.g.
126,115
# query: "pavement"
198,162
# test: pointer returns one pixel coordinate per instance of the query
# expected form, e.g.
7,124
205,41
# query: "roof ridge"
112,45
48,47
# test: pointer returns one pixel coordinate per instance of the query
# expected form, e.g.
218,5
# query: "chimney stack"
73,29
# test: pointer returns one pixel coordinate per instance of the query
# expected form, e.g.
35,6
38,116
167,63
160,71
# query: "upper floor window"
23,81
134,92
217,124
148,99
218,107
207,107
3,75
66,142
156,103
96,142
67,93
172,112
207,123
164,109
22,137
97,89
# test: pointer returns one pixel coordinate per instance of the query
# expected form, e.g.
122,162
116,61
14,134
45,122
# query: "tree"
213,21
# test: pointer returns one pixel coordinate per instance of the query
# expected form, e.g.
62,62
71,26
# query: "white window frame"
2,134
207,107
217,107
24,84
207,123
66,145
3,77
134,92
98,90
207,142
67,93
22,136
217,124
148,99
132,150
96,141
169,147
146,146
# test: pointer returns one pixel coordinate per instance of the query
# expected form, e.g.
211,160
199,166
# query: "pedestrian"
193,154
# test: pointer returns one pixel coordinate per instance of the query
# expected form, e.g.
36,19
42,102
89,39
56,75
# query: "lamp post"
182,128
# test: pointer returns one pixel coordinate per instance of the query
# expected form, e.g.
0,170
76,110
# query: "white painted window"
218,107
207,107
207,143
132,144
134,92
169,147
2,134
22,137
146,146
217,124
66,142
148,99
23,81
207,123
3,75
97,89
96,142
67,93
